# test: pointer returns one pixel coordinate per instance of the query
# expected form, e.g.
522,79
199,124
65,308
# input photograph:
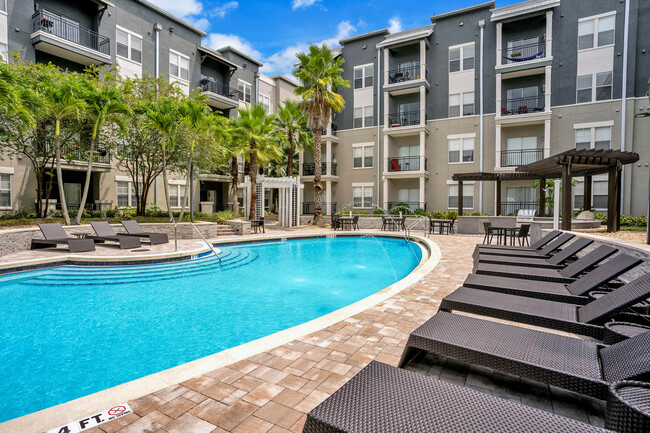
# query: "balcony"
219,94
515,158
63,37
405,163
524,53
308,169
528,105
411,204
406,118
334,128
404,74
308,208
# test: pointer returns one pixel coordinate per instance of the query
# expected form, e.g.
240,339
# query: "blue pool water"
70,331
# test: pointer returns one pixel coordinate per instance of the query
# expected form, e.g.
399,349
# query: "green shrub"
402,208
437,215
225,215
451,215
153,210
420,212
600,216
113,213
129,213
378,212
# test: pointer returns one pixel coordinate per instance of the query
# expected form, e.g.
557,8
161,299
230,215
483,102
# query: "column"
301,157
498,95
328,196
460,198
499,43
566,197
423,105
328,157
547,138
587,193
423,164
422,195
613,202
549,33
497,146
542,197
498,194
547,89
385,194
386,65
386,111
423,59
386,153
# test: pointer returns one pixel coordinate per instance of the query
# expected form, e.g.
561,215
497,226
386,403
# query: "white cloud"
182,8
395,25
222,10
193,12
220,40
297,4
201,23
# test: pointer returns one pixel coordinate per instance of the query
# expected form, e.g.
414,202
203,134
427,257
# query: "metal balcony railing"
405,163
70,30
531,104
512,207
308,208
411,204
334,129
405,118
524,53
211,85
308,169
515,158
407,73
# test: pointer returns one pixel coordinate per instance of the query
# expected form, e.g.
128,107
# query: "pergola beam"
566,196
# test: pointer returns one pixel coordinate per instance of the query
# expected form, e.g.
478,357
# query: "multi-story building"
488,89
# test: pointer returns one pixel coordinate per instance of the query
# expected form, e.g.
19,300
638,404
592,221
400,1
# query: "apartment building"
137,37
488,89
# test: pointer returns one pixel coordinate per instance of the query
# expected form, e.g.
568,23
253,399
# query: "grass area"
633,228
15,223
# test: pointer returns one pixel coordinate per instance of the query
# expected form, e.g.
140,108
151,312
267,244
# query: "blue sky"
274,31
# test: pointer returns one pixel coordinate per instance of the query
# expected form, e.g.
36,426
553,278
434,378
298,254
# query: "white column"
499,43
328,196
423,105
498,95
386,111
301,158
422,150
386,153
328,157
385,195
549,33
422,195
386,65
497,143
423,59
281,203
547,89
547,138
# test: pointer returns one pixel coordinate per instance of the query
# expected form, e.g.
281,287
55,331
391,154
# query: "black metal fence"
524,53
308,208
405,118
308,169
531,104
210,85
512,207
70,30
405,73
515,158
405,163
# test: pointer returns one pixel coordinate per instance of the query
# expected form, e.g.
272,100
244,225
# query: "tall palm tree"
104,106
320,75
16,97
233,161
256,139
293,123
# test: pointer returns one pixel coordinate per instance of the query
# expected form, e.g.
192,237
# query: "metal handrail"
204,240
418,218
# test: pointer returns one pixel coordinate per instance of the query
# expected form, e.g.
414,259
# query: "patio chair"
489,232
382,398
133,229
556,261
450,227
533,247
355,222
575,364
574,293
565,275
53,235
543,252
584,320
395,164
336,222
522,235
257,225
105,233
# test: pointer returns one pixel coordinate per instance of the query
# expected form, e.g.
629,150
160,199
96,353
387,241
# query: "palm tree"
320,75
16,98
233,161
256,139
293,123
62,101
103,106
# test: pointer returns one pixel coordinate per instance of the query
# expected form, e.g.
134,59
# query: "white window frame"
580,186
265,100
596,26
246,86
364,187
176,184
363,116
364,77
451,183
463,139
131,192
178,58
8,171
594,87
461,47
363,146
461,99
129,44
592,127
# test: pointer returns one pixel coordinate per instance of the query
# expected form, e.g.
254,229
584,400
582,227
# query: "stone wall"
241,227
473,225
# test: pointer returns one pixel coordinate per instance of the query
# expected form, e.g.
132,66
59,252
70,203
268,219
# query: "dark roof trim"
174,18
364,36
216,56
485,5
582,162
481,175
239,53
284,78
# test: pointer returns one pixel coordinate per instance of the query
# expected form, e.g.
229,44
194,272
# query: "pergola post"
566,196
542,197
460,198
613,199
587,193
498,209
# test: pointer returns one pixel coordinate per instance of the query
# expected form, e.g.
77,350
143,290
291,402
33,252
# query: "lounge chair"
573,293
105,233
382,398
556,261
565,275
533,247
578,365
133,229
54,235
584,320
544,252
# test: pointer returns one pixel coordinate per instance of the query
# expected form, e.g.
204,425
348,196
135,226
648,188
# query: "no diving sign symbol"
94,420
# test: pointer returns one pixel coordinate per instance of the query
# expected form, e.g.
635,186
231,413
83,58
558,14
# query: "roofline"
216,56
239,53
364,36
166,14
285,78
535,9
488,4
416,33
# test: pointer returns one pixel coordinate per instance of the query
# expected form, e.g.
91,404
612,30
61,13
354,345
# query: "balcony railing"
405,163
406,118
411,204
210,85
407,73
308,208
524,53
334,128
308,169
512,207
531,104
515,158
70,30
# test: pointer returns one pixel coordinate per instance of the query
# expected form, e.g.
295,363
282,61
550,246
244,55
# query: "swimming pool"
71,331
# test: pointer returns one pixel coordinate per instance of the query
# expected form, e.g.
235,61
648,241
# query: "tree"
320,75
256,139
104,106
233,161
293,123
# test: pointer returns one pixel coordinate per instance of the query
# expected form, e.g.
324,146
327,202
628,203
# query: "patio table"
505,232
346,223
442,224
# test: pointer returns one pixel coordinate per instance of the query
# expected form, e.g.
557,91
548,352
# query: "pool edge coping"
81,407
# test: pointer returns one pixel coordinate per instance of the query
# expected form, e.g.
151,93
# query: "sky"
274,31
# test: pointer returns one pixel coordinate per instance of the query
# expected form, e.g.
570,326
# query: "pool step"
224,230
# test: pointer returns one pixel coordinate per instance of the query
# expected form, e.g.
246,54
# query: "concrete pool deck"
272,383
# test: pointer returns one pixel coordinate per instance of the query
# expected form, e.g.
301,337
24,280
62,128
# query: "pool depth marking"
94,420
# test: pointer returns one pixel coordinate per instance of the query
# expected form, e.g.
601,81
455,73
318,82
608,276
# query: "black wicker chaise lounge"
533,247
54,235
577,365
556,261
382,398
544,252
105,233
565,275
579,319
133,229
573,293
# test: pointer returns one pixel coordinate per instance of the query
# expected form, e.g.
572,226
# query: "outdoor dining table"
440,223
392,223
505,232
346,223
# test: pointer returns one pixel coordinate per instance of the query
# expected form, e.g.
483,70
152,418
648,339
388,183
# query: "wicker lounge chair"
573,293
105,233
578,365
54,235
584,320
557,261
133,229
382,398
565,275
533,247
544,252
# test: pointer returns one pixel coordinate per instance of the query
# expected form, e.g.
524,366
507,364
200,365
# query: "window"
4,52
585,34
408,159
603,26
454,105
5,191
363,155
362,196
583,89
598,195
520,151
126,194
266,102
606,30
603,86
465,53
244,91
597,137
468,196
363,76
602,138
583,139
410,196
176,193
3,5
461,147
363,116
526,48
468,104
179,66
523,100
368,116
129,45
